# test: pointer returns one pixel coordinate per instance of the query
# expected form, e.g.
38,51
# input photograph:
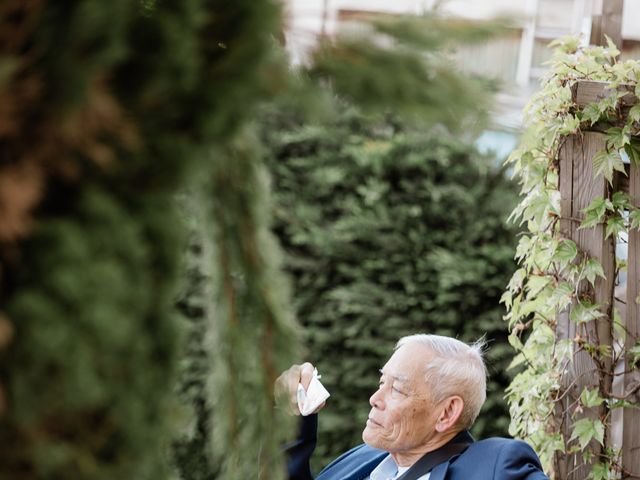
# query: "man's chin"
369,437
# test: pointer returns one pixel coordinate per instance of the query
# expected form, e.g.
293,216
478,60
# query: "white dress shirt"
388,470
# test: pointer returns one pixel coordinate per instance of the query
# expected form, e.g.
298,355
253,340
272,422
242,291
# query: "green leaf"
570,125
566,251
634,113
586,430
634,216
620,200
633,151
593,269
519,359
633,354
583,312
612,49
507,298
524,247
515,342
590,398
599,471
605,163
565,44
591,113
562,295
615,225
595,212
618,137
536,283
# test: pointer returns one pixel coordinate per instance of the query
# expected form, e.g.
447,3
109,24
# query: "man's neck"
408,457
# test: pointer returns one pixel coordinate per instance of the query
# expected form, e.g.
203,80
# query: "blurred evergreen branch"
109,110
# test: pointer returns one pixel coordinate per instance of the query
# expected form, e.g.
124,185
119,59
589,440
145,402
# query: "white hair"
455,369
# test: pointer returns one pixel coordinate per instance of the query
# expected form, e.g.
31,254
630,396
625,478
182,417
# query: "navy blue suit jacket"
491,459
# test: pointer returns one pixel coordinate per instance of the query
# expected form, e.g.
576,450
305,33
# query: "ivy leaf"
615,225
519,359
566,251
633,150
507,298
618,137
570,125
634,216
600,471
594,213
583,312
606,162
591,113
590,398
536,283
515,341
524,247
634,113
612,50
593,269
586,430
562,295
620,200
565,44
634,355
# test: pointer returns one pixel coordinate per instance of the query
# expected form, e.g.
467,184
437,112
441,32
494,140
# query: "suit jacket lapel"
444,454
439,472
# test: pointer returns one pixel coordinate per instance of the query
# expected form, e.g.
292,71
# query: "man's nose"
377,399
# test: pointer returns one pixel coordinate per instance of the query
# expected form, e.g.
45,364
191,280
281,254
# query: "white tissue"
313,397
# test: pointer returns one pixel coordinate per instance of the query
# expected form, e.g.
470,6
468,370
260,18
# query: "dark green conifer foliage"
389,232
237,264
108,109
192,450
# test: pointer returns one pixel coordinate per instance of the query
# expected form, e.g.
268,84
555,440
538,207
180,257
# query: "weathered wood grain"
578,187
588,91
630,416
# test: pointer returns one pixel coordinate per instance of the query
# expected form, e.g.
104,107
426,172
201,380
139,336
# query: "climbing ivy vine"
552,267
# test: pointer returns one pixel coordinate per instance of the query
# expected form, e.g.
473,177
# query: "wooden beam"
631,416
587,91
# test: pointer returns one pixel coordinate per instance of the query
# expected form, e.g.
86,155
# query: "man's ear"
450,414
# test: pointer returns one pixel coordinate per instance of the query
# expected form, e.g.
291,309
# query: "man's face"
402,417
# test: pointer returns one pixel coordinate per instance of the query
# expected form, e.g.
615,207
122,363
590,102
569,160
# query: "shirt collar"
385,469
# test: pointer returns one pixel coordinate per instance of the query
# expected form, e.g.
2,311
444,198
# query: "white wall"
631,20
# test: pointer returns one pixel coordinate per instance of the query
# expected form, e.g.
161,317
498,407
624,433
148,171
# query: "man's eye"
399,392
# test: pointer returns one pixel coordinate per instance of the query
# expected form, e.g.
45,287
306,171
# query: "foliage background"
388,231
107,111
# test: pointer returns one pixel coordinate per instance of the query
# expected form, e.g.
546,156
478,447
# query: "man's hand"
287,386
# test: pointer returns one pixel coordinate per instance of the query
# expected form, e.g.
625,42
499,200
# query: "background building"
515,59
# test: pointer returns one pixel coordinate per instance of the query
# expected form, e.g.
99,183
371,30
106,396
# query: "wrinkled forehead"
408,363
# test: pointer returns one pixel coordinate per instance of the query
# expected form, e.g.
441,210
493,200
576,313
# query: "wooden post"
609,23
631,416
578,187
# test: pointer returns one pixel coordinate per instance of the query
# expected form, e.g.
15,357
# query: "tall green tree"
389,232
108,109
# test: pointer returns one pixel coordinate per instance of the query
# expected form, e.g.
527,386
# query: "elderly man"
430,393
